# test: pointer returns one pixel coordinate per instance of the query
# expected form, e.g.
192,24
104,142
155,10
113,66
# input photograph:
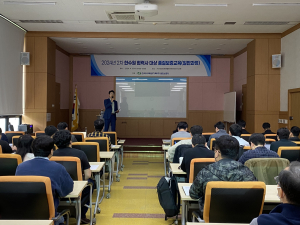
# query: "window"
15,122
2,124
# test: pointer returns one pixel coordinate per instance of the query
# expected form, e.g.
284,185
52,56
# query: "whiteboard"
230,107
151,97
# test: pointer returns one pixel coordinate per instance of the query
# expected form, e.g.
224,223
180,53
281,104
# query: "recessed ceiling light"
135,39
222,44
163,48
137,48
202,5
28,3
107,43
107,4
79,42
166,38
218,49
137,43
111,47
277,4
191,49
194,44
165,43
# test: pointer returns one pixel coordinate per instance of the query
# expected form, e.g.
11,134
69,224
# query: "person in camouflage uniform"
224,169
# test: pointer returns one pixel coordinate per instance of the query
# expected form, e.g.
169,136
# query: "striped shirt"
100,134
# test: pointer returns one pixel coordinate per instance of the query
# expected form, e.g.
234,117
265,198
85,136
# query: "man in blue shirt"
111,109
61,182
257,144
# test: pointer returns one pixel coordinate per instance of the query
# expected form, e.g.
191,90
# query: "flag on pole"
75,111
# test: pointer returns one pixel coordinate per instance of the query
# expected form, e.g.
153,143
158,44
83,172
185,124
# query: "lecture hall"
149,112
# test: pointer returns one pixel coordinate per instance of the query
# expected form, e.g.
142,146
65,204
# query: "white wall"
290,71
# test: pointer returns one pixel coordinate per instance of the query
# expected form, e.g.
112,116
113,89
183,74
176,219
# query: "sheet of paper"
93,167
186,190
113,146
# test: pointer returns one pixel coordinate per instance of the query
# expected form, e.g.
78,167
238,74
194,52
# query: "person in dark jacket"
283,140
242,123
224,169
288,187
50,130
65,126
258,149
61,181
3,136
294,134
199,150
267,128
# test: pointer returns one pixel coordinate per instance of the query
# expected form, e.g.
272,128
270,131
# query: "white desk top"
270,197
175,170
165,147
77,189
26,222
106,155
120,142
116,147
99,164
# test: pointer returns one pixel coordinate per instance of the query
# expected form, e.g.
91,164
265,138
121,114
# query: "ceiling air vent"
229,23
41,21
124,16
115,22
265,23
192,23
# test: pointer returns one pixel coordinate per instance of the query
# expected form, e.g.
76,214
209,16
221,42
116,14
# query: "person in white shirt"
24,147
235,131
194,130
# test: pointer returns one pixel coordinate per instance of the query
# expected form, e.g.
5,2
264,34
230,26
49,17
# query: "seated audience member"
5,147
64,126
61,182
99,126
288,188
62,139
3,136
181,131
219,127
24,147
242,123
267,129
194,130
50,130
224,169
283,139
258,149
294,134
199,150
235,131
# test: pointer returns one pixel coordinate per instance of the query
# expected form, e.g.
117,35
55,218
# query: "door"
294,107
244,102
57,104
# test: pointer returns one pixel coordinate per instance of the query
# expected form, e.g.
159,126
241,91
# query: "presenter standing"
111,109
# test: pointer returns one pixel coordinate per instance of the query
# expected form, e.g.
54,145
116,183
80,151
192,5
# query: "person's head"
62,126
24,145
266,126
283,133
257,140
43,146
111,94
198,139
99,125
226,147
62,139
50,130
0,133
242,123
235,130
196,129
219,126
288,184
182,126
295,131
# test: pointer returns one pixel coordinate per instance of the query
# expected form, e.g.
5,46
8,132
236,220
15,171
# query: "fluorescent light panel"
124,86
175,90
139,79
107,4
165,79
202,5
182,83
28,3
128,90
179,86
277,4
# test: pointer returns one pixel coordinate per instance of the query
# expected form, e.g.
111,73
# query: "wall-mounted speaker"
276,61
25,58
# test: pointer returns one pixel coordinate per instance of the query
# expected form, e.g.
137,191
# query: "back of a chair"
10,134
290,153
246,137
225,202
9,164
197,165
15,140
79,136
102,141
212,143
207,135
271,136
113,137
297,142
39,133
265,169
91,149
242,149
0,149
175,140
72,165
26,198
269,141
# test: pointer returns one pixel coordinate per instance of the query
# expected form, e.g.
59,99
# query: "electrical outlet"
279,120
285,121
